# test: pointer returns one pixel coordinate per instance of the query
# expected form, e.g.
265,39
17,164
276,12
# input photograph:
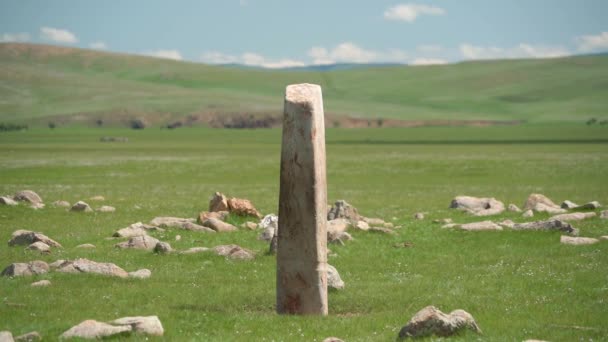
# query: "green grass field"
518,285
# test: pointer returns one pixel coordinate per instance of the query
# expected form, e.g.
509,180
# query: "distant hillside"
40,83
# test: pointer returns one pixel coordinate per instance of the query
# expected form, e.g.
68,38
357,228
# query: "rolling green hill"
39,83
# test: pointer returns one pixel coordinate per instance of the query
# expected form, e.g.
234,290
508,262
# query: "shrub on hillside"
8,127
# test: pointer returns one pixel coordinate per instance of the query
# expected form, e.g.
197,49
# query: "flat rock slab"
86,246
136,229
87,266
41,283
573,216
91,329
139,242
478,206
106,209
543,208
219,225
149,325
81,206
181,223
234,252
547,225
26,269
29,337
195,250
569,240
513,208
144,273
478,226
40,246
28,237
204,215
4,200
6,336
534,199
62,204
28,196
431,321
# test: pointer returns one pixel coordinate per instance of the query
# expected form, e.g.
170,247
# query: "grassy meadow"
517,284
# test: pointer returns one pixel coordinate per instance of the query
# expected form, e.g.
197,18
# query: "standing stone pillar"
302,233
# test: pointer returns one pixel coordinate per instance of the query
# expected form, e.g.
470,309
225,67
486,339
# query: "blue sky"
275,33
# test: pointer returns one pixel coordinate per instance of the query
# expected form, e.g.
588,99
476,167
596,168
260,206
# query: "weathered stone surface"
139,242
218,202
270,220
535,199
149,325
333,339
81,206
568,205
361,225
338,226
56,264
143,273
419,216
390,225
195,250
478,206
29,337
36,205
267,234
528,213
86,246
573,216
41,283
444,221
234,252
338,237
178,237
334,280
135,229
604,214
249,225
27,237
483,225
88,266
170,222
431,321
91,329
26,269
163,248
62,204
570,240
342,209
242,207
507,223
513,208
106,209
450,225
547,225
590,206
204,215
7,201
6,336
543,208
373,221
219,226
604,237
27,196
381,230
97,198
40,246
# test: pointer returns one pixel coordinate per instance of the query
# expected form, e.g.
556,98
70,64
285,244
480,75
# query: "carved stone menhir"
302,233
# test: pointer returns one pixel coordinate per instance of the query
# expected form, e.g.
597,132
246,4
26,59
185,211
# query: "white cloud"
428,61
469,51
216,57
593,43
98,46
409,12
14,37
168,54
249,58
348,52
58,35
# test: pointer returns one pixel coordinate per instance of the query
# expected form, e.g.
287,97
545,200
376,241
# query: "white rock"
40,247
81,206
91,329
139,242
573,216
570,240
7,201
513,208
6,336
87,266
483,225
149,325
62,204
26,269
144,273
194,250
568,205
333,278
528,213
41,283
86,246
362,225
431,321
106,209
478,206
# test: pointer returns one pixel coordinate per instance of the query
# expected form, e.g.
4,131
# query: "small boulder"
373,221
81,206
431,321
513,208
604,237
242,207
204,215
62,204
139,242
568,205
333,278
569,240
149,325
7,201
342,209
40,246
483,225
419,216
194,250
573,216
604,214
478,206
182,223
26,269
543,208
41,283
218,202
163,248
135,229
86,246
507,223
106,209
97,198
249,225
219,226
29,337
28,196
269,220
340,225
590,206
338,237
6,336
28,237
547,225
333,339
267,234
361,225
87,266
91,329
143,273
535,199
528,213
234,252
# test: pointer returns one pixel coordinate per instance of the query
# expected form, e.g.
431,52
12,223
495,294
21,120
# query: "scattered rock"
91,329
81,206
37,205
26,269
604,237
569,240
507,223
483,225
250,225
139,242
419,216
135,229
62,204
269,220
590,206
6,336
274,245
478,206
450,225
543,208
338,237
40,247
88,266
97,198
604,214
568,205
333,339
242,207
149,325
513,208
528,213
372,221
170,222
7,201
28,237
361,225
56,264
106,209
178,237
86,246
29,337
267,234
41,283
341,209
547,225
535,199
431,321
218,202
234,252
28,196
573,216
444,221
194,250
333,278
204,215
219,226
338,225
144,273
381,230
163,248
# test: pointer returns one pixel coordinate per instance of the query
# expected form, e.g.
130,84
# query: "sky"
274,33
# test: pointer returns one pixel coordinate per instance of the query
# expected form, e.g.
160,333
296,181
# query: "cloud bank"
58,35
410,12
